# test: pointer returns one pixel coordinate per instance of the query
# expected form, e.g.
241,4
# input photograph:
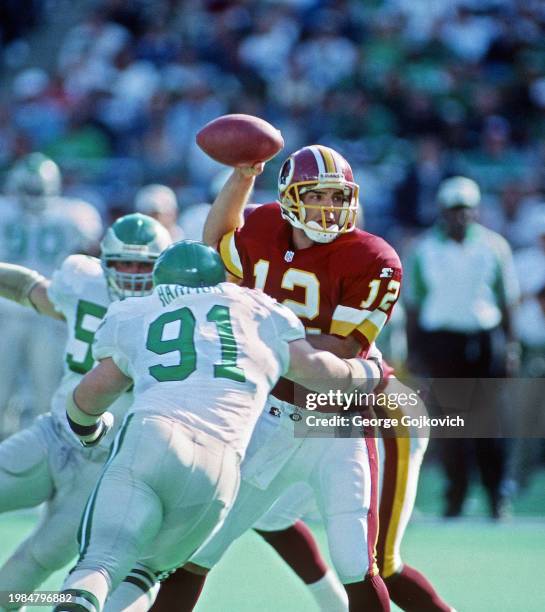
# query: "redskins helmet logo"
286,174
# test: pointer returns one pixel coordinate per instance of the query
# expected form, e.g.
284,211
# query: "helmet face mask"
315,168
123,284
133,239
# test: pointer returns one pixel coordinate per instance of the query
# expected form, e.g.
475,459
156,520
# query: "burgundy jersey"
346,287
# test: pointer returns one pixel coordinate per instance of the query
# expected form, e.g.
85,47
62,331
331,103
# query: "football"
240,140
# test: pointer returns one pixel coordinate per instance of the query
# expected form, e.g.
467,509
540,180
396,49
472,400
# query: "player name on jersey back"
168,293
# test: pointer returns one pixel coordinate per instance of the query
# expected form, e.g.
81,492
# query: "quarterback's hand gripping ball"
240,140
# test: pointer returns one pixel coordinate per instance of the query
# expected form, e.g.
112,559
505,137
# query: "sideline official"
461,291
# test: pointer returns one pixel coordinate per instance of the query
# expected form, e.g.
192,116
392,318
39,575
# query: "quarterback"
46,463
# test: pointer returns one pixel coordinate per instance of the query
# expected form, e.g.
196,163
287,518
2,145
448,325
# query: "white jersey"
42,240
79,292
206,357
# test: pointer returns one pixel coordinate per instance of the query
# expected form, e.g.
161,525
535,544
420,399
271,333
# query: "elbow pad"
16,283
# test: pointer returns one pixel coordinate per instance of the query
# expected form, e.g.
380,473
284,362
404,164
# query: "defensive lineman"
45,463
203,355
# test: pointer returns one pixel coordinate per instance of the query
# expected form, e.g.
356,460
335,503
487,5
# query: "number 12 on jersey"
184,344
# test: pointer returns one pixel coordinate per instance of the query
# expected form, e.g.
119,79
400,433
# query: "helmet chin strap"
317,235
311,229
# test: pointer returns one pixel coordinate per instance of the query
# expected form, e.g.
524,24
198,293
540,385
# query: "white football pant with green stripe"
165,489
38,465
28,336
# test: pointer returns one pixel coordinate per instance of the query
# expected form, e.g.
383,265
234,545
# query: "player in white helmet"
45,462
38,229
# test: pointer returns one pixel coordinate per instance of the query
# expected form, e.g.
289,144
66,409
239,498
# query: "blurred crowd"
409,91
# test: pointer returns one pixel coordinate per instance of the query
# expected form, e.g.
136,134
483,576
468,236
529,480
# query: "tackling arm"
26,287
342,347
226,212
100,387
321,370
86,407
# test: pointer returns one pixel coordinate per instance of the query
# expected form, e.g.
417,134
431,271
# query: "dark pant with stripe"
475,356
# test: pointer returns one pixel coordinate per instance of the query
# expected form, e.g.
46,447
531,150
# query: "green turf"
530,502
478,565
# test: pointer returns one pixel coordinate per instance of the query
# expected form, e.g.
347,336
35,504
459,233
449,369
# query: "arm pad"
90,429
16,283
365,374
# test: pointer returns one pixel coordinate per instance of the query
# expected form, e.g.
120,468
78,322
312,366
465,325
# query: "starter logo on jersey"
289,256
387,273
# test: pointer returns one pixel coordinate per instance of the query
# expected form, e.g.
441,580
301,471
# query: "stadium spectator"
369,79
415,194
36,114
160,203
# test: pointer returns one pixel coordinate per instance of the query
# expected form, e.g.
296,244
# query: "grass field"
478,565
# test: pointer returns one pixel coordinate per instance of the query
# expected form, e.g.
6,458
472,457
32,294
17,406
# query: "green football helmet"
189,263
34,179
132,239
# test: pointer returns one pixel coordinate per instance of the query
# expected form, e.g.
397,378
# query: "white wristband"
365,374
77,415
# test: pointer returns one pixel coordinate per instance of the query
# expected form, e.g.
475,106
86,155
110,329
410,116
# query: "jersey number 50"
184,345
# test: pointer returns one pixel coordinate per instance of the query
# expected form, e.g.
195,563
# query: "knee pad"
22,572
349,547
50,556
23,454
